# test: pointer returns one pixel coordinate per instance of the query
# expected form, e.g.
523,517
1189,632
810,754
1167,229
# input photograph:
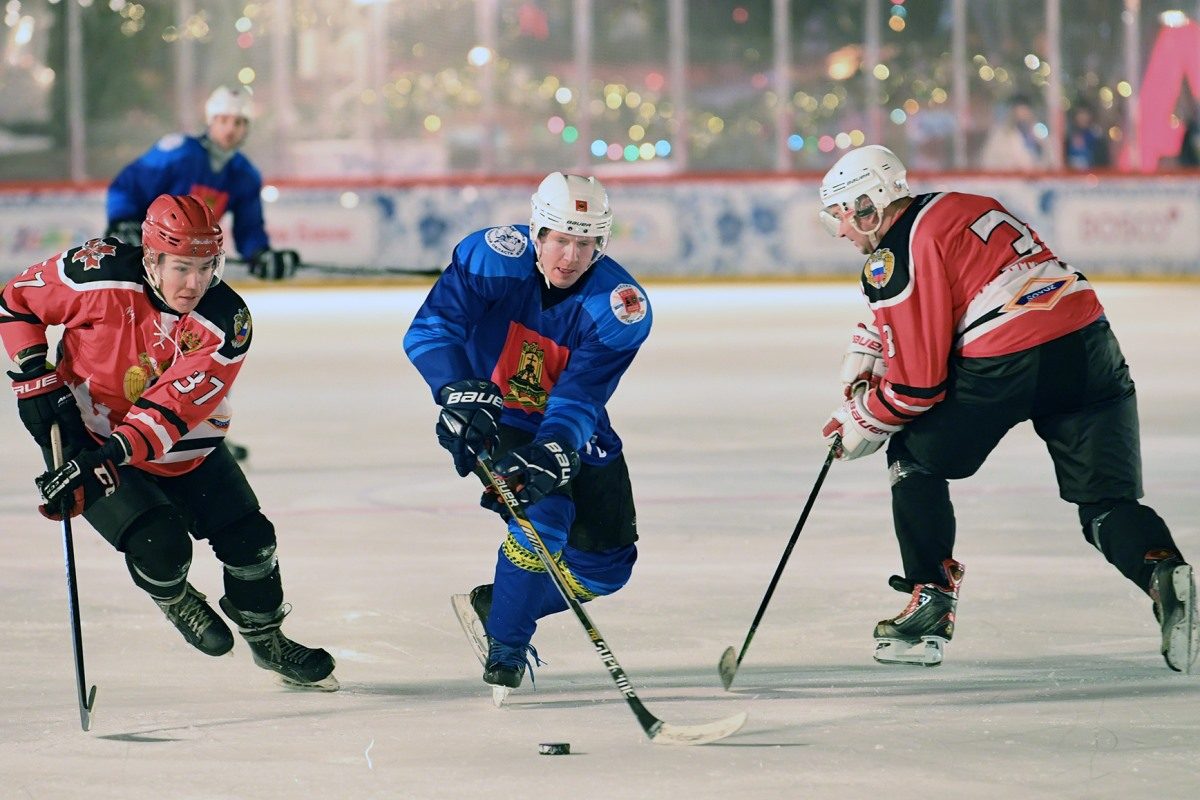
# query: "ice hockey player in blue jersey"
210,167
522,341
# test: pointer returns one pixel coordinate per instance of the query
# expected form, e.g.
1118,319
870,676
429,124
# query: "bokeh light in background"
430,90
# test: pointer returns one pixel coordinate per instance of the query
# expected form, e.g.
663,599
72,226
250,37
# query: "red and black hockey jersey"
957,273
158,378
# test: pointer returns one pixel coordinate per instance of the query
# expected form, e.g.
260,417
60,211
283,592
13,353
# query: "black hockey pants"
1078,393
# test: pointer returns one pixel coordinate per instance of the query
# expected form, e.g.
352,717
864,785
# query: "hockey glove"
128,231
492,502
861,433
274,265
467,423
73,487
43,400
535,470
862,365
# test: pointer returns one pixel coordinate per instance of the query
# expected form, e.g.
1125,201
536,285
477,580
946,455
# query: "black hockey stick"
659,732
87,700
363,271
728,665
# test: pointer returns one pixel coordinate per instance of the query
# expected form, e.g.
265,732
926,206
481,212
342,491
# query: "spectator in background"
1189,147
1086,145
1013,145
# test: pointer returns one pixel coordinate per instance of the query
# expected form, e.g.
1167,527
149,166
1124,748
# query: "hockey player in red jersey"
152,343
979,326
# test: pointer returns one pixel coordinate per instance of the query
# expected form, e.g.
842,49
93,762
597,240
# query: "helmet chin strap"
537,262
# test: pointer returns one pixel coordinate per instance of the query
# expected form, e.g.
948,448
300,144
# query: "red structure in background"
1174,58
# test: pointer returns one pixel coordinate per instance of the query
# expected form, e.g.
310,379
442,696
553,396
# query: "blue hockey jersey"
556,366
179,164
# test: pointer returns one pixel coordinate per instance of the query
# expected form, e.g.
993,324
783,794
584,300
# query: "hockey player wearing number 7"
522,341
152,343
979,326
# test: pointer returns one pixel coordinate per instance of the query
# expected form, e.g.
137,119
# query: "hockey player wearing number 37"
978,326
522,341
152,344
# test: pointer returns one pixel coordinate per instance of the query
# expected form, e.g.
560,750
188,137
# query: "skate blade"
1183,642
926,653
326,684
471,624
499,695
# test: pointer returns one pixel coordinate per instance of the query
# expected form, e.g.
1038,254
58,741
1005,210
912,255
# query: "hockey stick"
87,700
338,269
659,732
728,665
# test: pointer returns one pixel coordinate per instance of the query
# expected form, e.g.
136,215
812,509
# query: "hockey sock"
924,520
246,548
158,552
1131,536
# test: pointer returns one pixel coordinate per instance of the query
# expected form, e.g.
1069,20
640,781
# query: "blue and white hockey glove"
535,470
468,421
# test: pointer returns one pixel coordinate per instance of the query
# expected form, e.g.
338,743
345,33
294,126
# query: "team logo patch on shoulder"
1040,294
879,268
628,304
92,252
241,327
506,240
170,142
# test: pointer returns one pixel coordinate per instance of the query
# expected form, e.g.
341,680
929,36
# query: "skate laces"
281,648
500,654
192,611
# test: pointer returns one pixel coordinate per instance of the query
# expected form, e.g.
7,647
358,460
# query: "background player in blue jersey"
210,167
522,341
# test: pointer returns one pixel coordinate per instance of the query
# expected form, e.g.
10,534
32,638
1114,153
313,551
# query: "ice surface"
1052,688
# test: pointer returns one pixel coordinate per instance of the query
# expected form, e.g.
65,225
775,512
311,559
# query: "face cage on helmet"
833,222
150,265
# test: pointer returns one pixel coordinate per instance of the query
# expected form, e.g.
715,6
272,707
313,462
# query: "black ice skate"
1173,589
505,668
918,635
196,620
297,665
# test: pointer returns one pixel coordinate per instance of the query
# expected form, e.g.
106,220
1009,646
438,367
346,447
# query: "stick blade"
727,667
699,734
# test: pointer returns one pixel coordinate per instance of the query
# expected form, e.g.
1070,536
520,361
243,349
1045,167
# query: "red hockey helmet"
181,225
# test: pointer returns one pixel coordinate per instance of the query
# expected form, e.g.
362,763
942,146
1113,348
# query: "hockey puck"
555,748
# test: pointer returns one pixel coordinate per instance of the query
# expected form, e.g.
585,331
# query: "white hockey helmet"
872,171
236,102
571,204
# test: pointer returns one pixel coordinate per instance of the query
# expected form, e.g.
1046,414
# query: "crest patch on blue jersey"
628,304
506,240
170,142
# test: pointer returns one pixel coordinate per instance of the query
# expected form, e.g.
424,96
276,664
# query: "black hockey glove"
43,400
128,231
274,265
535,470
467,423
73,487
492,502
